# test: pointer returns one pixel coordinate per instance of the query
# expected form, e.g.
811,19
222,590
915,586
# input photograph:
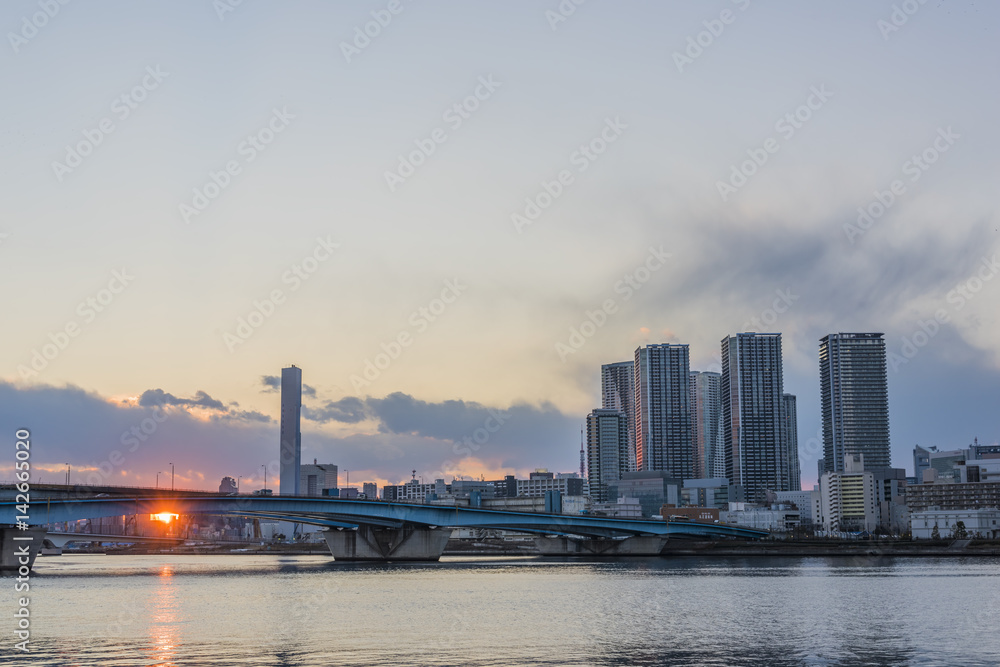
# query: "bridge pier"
411,542
600,546
18,553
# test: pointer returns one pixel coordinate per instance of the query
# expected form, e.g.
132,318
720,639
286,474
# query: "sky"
450,214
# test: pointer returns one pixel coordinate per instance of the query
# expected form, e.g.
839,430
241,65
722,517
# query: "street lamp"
264,466
67,474
171,476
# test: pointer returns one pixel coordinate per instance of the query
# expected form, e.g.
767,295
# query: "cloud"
153,397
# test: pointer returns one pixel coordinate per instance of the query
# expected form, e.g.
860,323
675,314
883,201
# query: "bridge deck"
344,513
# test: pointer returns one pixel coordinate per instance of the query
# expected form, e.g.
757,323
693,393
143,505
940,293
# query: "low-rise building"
977,523
623,508
774,518
568,504
697,514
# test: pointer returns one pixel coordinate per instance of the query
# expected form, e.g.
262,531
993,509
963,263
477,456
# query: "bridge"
377,530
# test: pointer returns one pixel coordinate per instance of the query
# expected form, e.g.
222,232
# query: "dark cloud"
520,436
245,415
153,397
402,413
272,385
159,398
347,410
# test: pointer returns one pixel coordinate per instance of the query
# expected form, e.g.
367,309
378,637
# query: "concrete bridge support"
410,542
603,547
18,548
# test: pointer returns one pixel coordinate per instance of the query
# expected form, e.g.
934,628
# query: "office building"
855,399
316,478
790,435
370,490
415,491
890,488
290,458
752,414
979,452
607,450
652,488
985,470
472,488
921,461
504,488
542,481
807,502
706,492
662,410
618,393
709,457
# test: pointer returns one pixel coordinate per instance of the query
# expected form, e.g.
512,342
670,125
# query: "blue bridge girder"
345,513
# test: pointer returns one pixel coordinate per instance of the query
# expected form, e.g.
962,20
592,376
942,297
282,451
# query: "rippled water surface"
309,610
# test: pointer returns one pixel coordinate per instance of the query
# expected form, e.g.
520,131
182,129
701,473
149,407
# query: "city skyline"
354,409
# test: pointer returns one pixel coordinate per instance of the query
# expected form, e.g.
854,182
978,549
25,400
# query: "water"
308,610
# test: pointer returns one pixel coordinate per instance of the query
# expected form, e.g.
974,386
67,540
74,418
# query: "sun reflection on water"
164,639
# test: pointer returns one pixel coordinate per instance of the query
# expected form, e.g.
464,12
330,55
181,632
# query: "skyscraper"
618,393
291,434
708,455
790,433
663,410
751,390
607,451
855,399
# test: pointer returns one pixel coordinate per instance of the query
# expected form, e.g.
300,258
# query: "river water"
309,610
